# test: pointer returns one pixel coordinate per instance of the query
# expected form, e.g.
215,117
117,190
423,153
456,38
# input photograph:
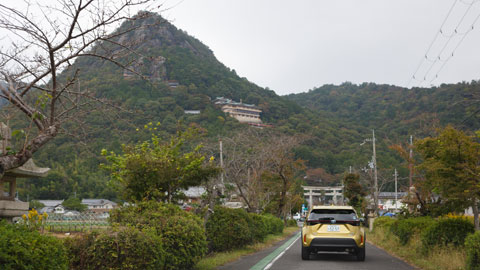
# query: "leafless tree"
44,42
261,166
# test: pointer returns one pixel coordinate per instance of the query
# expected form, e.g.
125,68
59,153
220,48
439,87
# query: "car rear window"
336,214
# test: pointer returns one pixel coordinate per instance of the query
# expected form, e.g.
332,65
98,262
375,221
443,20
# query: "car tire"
361,254
305,253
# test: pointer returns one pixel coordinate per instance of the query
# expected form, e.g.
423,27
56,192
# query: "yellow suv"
333,228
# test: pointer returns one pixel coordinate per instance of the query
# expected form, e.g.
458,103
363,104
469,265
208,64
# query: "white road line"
279,255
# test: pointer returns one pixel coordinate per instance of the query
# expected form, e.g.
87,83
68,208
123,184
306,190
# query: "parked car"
333,228
297,216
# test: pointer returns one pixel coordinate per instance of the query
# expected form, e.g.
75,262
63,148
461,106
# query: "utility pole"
396,194
375,179
221,166
374,163
410,162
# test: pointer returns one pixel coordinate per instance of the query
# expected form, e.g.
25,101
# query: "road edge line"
268,260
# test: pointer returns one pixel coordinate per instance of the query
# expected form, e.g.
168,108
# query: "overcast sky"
294,46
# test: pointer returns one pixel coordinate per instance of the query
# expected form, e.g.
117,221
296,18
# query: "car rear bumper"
333,244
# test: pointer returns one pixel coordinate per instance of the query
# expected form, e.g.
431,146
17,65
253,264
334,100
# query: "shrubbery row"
149,235
24,249
456,231
235,228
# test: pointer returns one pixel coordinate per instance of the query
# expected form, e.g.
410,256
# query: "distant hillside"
397,111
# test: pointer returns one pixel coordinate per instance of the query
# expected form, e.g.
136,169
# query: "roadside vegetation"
445,243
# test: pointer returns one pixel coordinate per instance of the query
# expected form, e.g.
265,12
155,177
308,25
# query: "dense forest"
333,120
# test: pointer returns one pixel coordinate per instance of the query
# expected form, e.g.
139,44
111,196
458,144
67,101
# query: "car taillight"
304,238
361,239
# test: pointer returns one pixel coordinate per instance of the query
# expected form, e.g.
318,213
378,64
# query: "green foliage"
228,229
274,224
384,222
181,232
353,190
122,248
74,204
24,249
447,231
157,170
292,223
34,204
405,228
258,226
472,247
451,166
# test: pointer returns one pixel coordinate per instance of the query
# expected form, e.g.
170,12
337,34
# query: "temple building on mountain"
244,113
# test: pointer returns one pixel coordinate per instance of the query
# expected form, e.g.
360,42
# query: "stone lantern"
10,207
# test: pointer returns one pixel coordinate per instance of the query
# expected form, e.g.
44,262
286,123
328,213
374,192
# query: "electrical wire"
433,41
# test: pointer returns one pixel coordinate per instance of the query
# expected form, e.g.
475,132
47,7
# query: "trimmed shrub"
182,233
274,224
292,223
123,248
24,249
447,231
405,228
383,222
259,227
472,247
228,229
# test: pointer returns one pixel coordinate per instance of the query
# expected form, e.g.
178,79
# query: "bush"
383,222
258,227
182,233
274,224
405,228
123,248
21,248
292,223
228,229
447,231
472,247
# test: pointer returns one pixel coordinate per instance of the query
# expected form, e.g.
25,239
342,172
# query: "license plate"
333,228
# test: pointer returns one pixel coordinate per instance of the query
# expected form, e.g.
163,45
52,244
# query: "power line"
433,41
438,58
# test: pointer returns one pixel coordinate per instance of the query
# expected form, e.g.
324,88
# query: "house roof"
97,202
51,203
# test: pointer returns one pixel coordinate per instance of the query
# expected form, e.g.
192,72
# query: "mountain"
397,111
180,73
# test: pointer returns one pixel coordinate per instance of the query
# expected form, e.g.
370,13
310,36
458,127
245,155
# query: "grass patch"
441,258
214,260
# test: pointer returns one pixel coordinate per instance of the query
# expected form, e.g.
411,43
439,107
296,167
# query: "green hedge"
23,249
258,227
472,247
122,248
274,224
447,231
292,223
228,229
182,233
383,222
405,228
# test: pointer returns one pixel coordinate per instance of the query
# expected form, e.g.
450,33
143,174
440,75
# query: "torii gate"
9,206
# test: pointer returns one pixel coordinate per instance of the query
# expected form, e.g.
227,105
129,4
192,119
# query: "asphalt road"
291,260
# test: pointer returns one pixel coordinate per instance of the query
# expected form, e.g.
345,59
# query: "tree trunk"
475,214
